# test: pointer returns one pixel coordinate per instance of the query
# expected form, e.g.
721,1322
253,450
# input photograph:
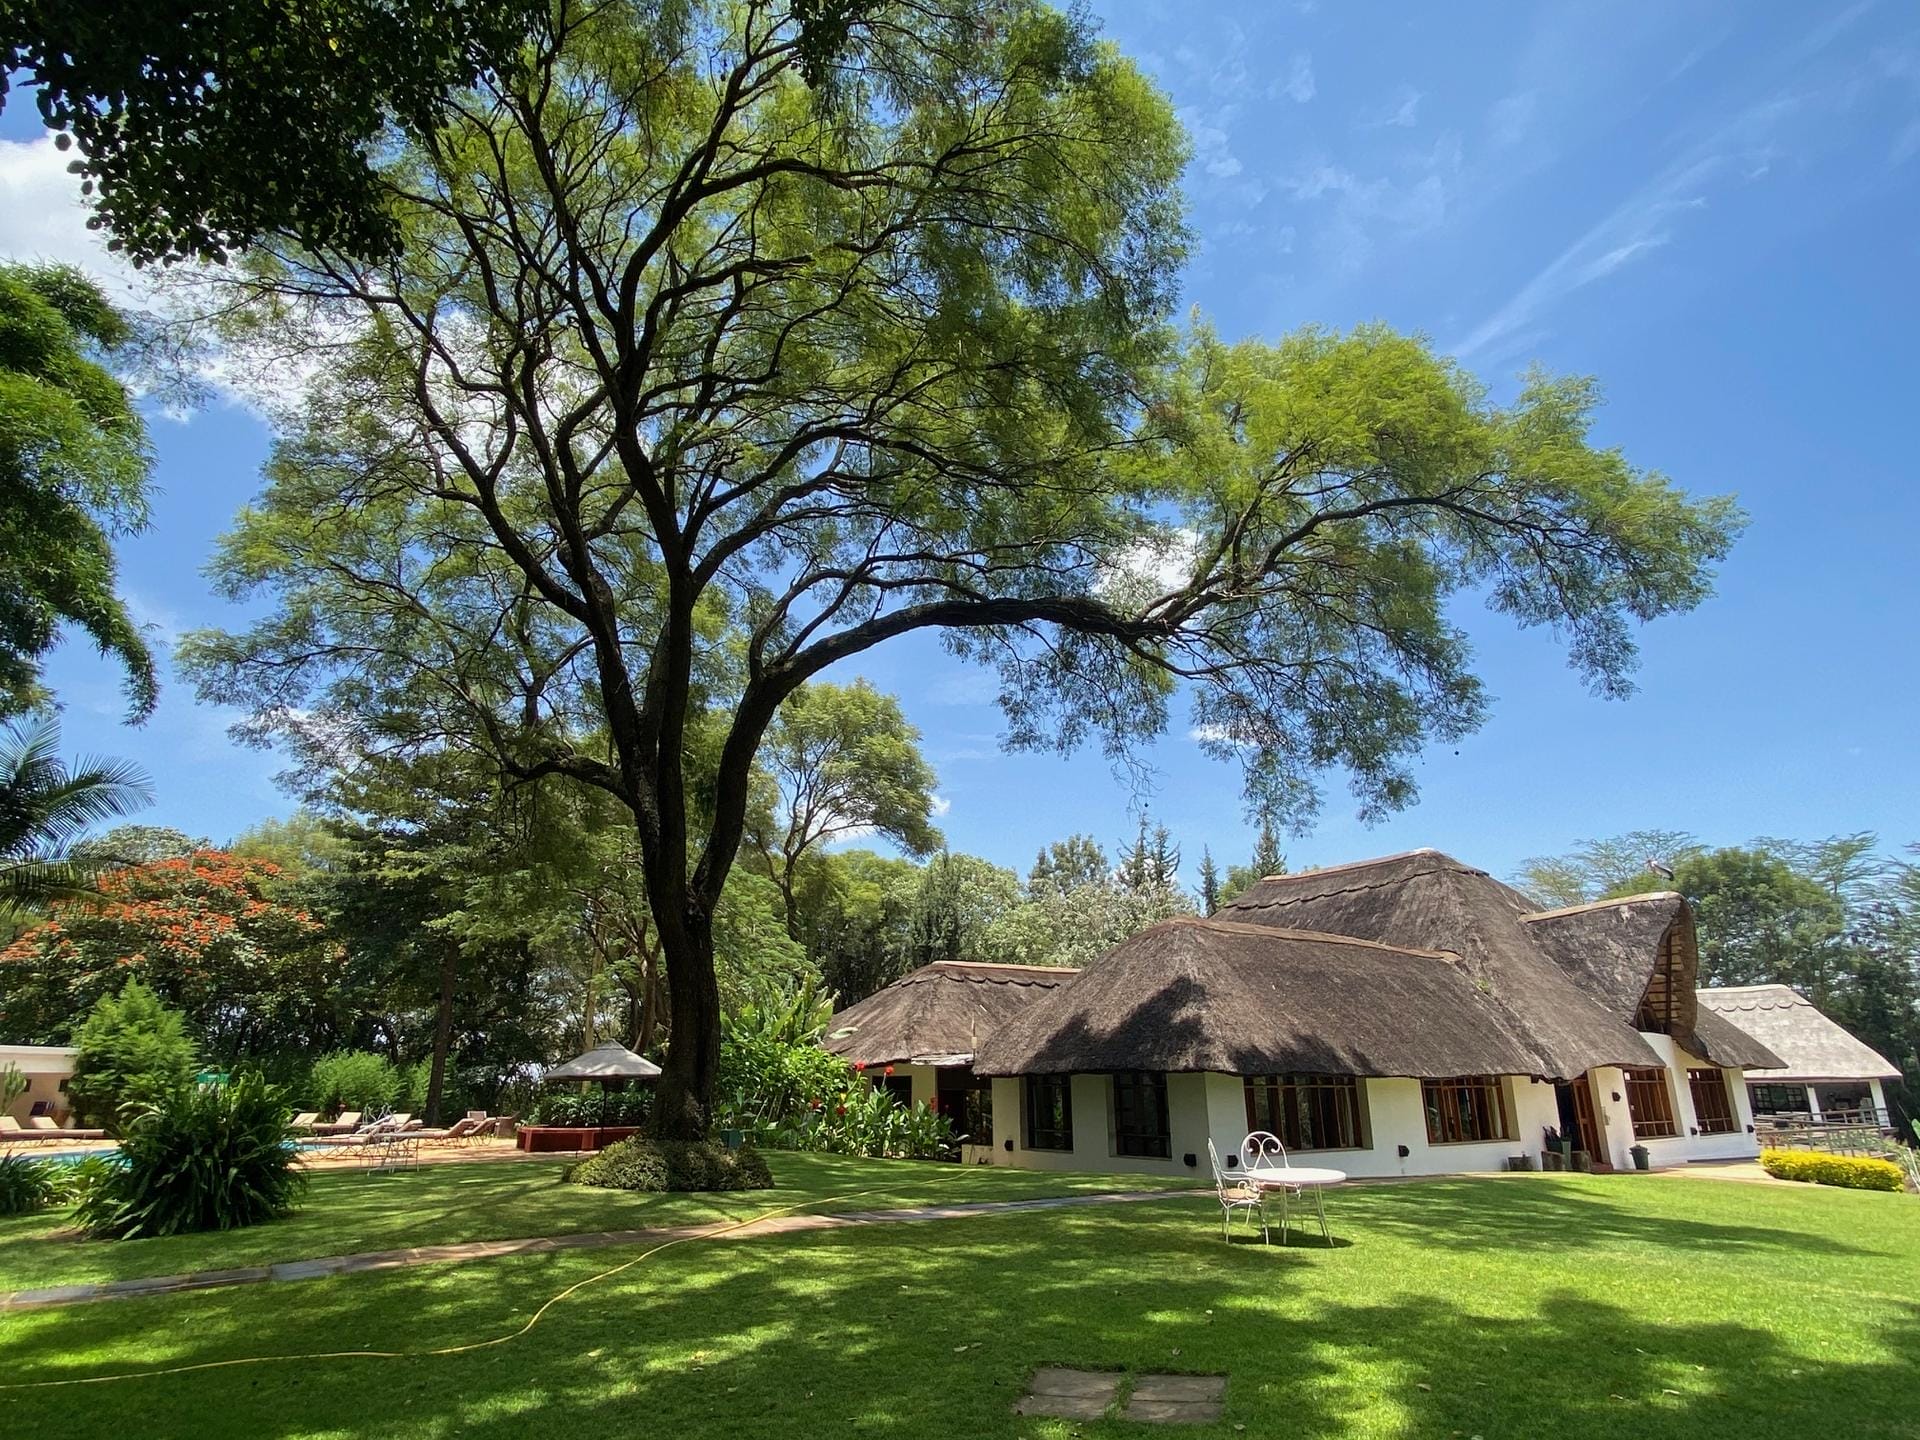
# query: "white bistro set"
1265,1170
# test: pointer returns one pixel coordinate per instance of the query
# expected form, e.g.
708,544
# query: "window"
1649,1103
1712,1105
1140,1114
966,1100
1466,1107
1307,1112
1778,1099
899,1088
1049,1112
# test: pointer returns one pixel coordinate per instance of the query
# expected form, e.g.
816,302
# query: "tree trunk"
683,1096
442,1035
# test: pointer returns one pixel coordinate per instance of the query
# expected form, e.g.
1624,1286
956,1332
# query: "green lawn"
346,1212
1563,1307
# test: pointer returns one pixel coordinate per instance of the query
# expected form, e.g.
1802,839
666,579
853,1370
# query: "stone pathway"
328,1265
1064,1394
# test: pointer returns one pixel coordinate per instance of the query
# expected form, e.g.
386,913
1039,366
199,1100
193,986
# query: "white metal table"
1295,1179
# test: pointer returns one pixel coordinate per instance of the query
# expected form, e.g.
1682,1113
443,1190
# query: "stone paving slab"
325,1266
1063,1393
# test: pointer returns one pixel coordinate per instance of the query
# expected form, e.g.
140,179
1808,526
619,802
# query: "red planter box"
562,1138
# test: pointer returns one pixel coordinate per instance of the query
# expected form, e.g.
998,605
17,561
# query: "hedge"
1850,1172
642,1164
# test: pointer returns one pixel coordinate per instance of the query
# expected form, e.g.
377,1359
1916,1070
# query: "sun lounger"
346,1124
43,1128
457,1133
11,1130
305,1120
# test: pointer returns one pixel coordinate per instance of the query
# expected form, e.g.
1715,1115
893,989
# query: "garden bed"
561,1139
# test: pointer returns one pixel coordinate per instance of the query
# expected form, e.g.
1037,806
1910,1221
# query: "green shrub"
27,1184
1851,1172
572,1107
353,1080
77,1179
207,1157
642,1164
13,1085
132,1051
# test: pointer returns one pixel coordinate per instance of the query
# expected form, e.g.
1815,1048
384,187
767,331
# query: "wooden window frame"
1301,1108
1718,1117
967,1102
1650,1102
1759,1090
1150,1137
1047,1137
1449,1119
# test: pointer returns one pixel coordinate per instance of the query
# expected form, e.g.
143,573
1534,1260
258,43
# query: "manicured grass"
347,1212
1565,1307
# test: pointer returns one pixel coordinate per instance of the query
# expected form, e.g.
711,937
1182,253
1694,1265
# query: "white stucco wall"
1686,1147
44,1067
1203,1106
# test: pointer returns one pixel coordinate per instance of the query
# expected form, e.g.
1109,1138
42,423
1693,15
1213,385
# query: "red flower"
860,1065
839,1109
887,1071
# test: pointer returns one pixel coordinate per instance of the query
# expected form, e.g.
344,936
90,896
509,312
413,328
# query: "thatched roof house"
1640,957
1213,995
1427,900
938,1014
1809,1047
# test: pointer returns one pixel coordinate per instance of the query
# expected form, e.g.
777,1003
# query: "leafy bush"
132,1051
353,1080
77,1179
207,1157
569,1107
13,1085
641,1164
1850,1172
27,1184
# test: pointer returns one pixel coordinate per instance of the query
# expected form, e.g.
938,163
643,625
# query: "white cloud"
1299,86
1367,207
941,805
965,685
1402,112
1511,117
44,218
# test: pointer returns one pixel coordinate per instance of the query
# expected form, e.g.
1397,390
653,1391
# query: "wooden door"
1589,1122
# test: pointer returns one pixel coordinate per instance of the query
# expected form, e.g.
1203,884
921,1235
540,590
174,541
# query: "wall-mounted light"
1616,1097
1191,1160
1233,1162
1009,1147
1404,1152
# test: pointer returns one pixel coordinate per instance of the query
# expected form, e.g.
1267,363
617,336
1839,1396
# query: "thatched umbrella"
606,1062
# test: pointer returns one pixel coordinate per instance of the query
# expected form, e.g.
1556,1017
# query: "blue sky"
1712,207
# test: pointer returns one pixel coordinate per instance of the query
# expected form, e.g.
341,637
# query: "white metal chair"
1259,1151
1235,1196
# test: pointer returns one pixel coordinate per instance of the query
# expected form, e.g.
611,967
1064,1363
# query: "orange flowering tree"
206,932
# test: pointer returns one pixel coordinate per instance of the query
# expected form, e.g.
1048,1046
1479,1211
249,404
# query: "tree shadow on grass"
931,1331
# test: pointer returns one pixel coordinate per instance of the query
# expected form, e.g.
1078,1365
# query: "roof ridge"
999,965
1280,932
1602,904
1373,860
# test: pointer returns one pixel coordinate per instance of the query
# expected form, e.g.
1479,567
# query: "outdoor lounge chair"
12,1130
1234,1195
44,1127
457,1133
346,1124
305,1120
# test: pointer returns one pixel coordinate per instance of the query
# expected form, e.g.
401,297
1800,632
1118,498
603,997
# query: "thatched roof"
1214,995
940,1013
1808,1045
1430,901
1640,958
610,1061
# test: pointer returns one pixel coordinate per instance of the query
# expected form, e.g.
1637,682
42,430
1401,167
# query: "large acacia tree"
696,379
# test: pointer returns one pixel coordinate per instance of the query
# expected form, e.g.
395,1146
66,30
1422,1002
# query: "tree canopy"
687,385
74,466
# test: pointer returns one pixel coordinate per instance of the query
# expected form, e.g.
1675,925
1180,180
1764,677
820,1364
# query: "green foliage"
1077,926
205,1157
1268,859
132,1052
642,1164
1851,1172
45,805
1760,920
74,468
256,118
592,1107
1067,865
27,1184
1595,869
767,1081
864,1119
353,1080
13,1084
